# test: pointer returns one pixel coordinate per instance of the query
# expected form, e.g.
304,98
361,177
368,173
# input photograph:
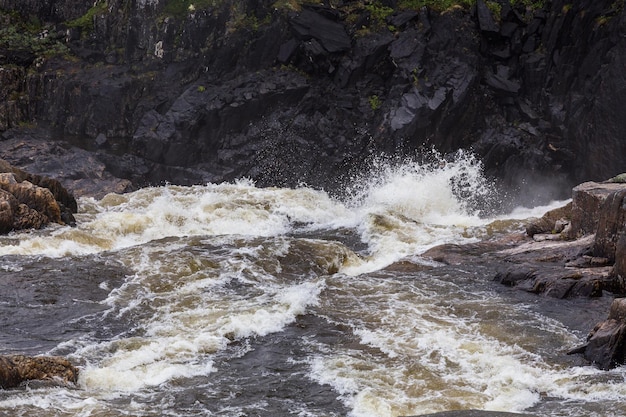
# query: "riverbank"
573,251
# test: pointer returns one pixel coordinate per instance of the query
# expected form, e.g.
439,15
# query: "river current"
233,300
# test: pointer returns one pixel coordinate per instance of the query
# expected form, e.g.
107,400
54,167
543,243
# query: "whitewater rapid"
214,272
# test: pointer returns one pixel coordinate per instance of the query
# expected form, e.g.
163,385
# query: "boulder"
559,281
587,201
553,221
36,198
25,205
15,369
606,343
8,208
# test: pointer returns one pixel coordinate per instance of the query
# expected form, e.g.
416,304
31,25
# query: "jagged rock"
400,19
8,208
486,21
25,205
331,35
15,369
37,199
60,194
500,83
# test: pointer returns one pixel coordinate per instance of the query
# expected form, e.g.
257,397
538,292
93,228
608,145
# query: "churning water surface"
233,300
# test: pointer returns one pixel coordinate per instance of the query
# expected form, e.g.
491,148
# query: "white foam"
121,221
189,317
431,353
537,211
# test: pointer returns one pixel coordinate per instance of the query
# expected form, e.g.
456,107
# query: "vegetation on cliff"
24,40
86,22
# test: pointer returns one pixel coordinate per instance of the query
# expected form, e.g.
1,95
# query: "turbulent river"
233,300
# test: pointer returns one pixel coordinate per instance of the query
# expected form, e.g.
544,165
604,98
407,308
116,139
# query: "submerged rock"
15,369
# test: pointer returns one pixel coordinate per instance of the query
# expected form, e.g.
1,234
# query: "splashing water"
227,285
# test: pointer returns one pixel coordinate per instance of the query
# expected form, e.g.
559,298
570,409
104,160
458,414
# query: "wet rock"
559,282
606,343
15,369
554,221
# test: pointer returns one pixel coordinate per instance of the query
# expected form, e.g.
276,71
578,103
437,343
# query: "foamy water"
217,273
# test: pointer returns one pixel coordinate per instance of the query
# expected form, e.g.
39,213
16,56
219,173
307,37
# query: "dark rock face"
79,171
16,369
243,89
587,79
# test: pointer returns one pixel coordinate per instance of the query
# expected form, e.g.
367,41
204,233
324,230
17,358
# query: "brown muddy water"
232,300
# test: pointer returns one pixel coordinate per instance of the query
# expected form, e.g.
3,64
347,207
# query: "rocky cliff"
287,92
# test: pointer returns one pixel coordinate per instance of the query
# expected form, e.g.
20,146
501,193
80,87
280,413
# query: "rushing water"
232,300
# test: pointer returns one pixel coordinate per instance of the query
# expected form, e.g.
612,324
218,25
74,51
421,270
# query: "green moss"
438,5
289,5
495,8
375,102
249,22
85,22
378,12
19,35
